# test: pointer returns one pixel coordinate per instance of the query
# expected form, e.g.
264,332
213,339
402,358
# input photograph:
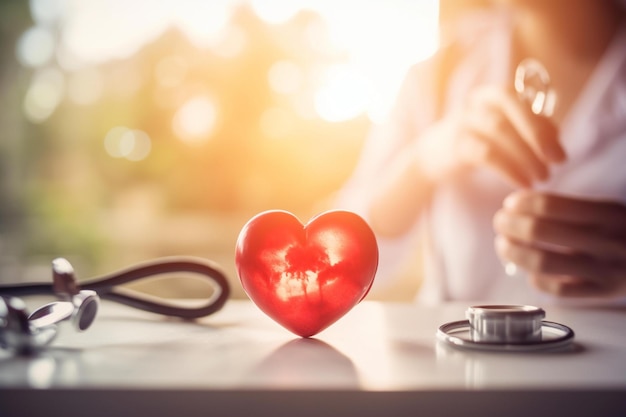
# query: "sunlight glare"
97,31
122,142
382,41
344,95
44,94
275,11
377,41
334,244
202,22
35,47
317,36
231,42
195,120
298,284
46,11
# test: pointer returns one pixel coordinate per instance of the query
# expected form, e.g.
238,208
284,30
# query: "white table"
378,360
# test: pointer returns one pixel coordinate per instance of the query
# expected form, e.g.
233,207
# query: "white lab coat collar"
602,102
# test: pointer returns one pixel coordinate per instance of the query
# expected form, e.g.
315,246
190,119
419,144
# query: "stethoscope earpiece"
532,84
86,304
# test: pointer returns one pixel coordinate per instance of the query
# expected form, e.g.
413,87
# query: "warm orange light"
171,70
85,87
195,120
276,123
285,77
231,42
379,43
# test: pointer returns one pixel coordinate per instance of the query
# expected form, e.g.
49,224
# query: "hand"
497,130
570,247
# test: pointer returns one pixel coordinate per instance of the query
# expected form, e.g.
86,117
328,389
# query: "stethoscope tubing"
107,286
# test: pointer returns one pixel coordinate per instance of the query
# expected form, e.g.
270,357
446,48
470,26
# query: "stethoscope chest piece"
505,328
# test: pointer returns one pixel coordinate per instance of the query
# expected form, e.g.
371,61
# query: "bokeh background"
134,129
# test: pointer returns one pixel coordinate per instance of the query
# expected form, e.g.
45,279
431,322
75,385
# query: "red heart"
306,277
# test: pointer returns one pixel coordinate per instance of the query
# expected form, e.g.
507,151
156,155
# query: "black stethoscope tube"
107,286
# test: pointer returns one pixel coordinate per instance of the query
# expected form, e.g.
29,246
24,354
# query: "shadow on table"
305,363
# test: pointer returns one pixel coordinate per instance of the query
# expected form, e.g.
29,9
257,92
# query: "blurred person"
466,165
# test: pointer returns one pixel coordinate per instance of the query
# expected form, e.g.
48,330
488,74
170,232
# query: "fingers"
502,133
477,150
546,261
565,286
571,247
551,233
609,216
562,274
538,132
498,145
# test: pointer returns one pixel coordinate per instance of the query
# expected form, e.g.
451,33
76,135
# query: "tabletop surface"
376,347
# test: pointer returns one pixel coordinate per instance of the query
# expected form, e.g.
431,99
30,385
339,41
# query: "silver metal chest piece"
505,328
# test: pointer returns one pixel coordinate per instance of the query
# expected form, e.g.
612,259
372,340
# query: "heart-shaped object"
306,277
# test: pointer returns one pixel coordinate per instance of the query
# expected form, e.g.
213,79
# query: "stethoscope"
513,327
506,328
78,303
488,327
532,85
